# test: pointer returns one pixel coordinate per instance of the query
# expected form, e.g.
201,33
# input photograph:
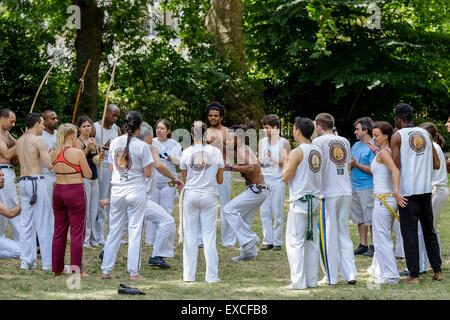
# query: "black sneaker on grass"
361,249
158,262
370,252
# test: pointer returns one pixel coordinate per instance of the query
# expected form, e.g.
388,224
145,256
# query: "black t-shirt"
89,157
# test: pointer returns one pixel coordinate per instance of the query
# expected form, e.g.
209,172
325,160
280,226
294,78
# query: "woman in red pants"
69,200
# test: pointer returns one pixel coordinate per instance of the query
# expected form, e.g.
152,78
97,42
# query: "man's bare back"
32,151
248,165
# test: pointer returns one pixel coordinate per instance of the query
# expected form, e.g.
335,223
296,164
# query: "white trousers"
9,249
226,232
200,208
127,205
383,262
399,250
50,182
239,213
163,195
165,229
303,255
36,217
272,209
8,195
91,190
339,246
438,200
104,191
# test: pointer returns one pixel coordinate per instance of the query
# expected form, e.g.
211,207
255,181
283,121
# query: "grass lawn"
255,280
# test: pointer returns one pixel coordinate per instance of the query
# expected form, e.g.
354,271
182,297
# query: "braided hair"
249,124
132,122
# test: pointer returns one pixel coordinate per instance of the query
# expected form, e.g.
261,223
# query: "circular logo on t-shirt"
119,161
338,153
200,161
417,141
314,161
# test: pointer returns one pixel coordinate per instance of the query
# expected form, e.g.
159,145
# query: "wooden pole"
111,81
79,90
42,83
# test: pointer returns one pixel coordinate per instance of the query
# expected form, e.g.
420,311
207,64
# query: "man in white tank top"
416,157
110,131
49,136
269,156
338,248
303,170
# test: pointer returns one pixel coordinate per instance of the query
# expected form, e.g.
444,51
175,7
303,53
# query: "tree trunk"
224,22
88,45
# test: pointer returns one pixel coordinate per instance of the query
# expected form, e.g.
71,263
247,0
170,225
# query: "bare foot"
84,274
438,276
88,247
410,280
137,278
230,246
106,276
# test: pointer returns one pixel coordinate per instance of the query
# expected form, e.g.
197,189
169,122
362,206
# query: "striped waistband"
31,178
6,166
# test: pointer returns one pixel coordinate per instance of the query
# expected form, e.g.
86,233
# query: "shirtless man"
8,195
9,249
216,136
239,212
37,214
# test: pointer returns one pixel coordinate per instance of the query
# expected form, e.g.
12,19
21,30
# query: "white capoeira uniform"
383,262
104,180
337,191
226,232
439,198
164,222
305,192
9,249
273,206
49,175
128,202
239,213
199,208
35,217
8,195
163,194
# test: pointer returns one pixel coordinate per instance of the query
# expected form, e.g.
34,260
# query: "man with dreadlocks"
240,211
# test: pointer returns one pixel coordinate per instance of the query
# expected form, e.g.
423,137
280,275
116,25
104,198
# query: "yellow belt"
381,197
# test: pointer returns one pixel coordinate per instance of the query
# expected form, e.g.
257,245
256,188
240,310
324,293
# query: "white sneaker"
47,268
386,281
323,281
123,242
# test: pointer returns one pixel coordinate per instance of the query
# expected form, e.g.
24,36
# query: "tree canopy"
349,58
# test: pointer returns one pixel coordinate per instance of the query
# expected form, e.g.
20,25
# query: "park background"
292,58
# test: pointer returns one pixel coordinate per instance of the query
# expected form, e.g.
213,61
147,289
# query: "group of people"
70,174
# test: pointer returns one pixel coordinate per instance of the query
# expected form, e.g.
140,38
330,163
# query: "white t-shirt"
270,169
167,148
50,143
132,172
308,176
108,134
416,161
202,163
440,178
337,156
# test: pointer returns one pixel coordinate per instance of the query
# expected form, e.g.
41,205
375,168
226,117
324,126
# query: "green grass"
260,279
